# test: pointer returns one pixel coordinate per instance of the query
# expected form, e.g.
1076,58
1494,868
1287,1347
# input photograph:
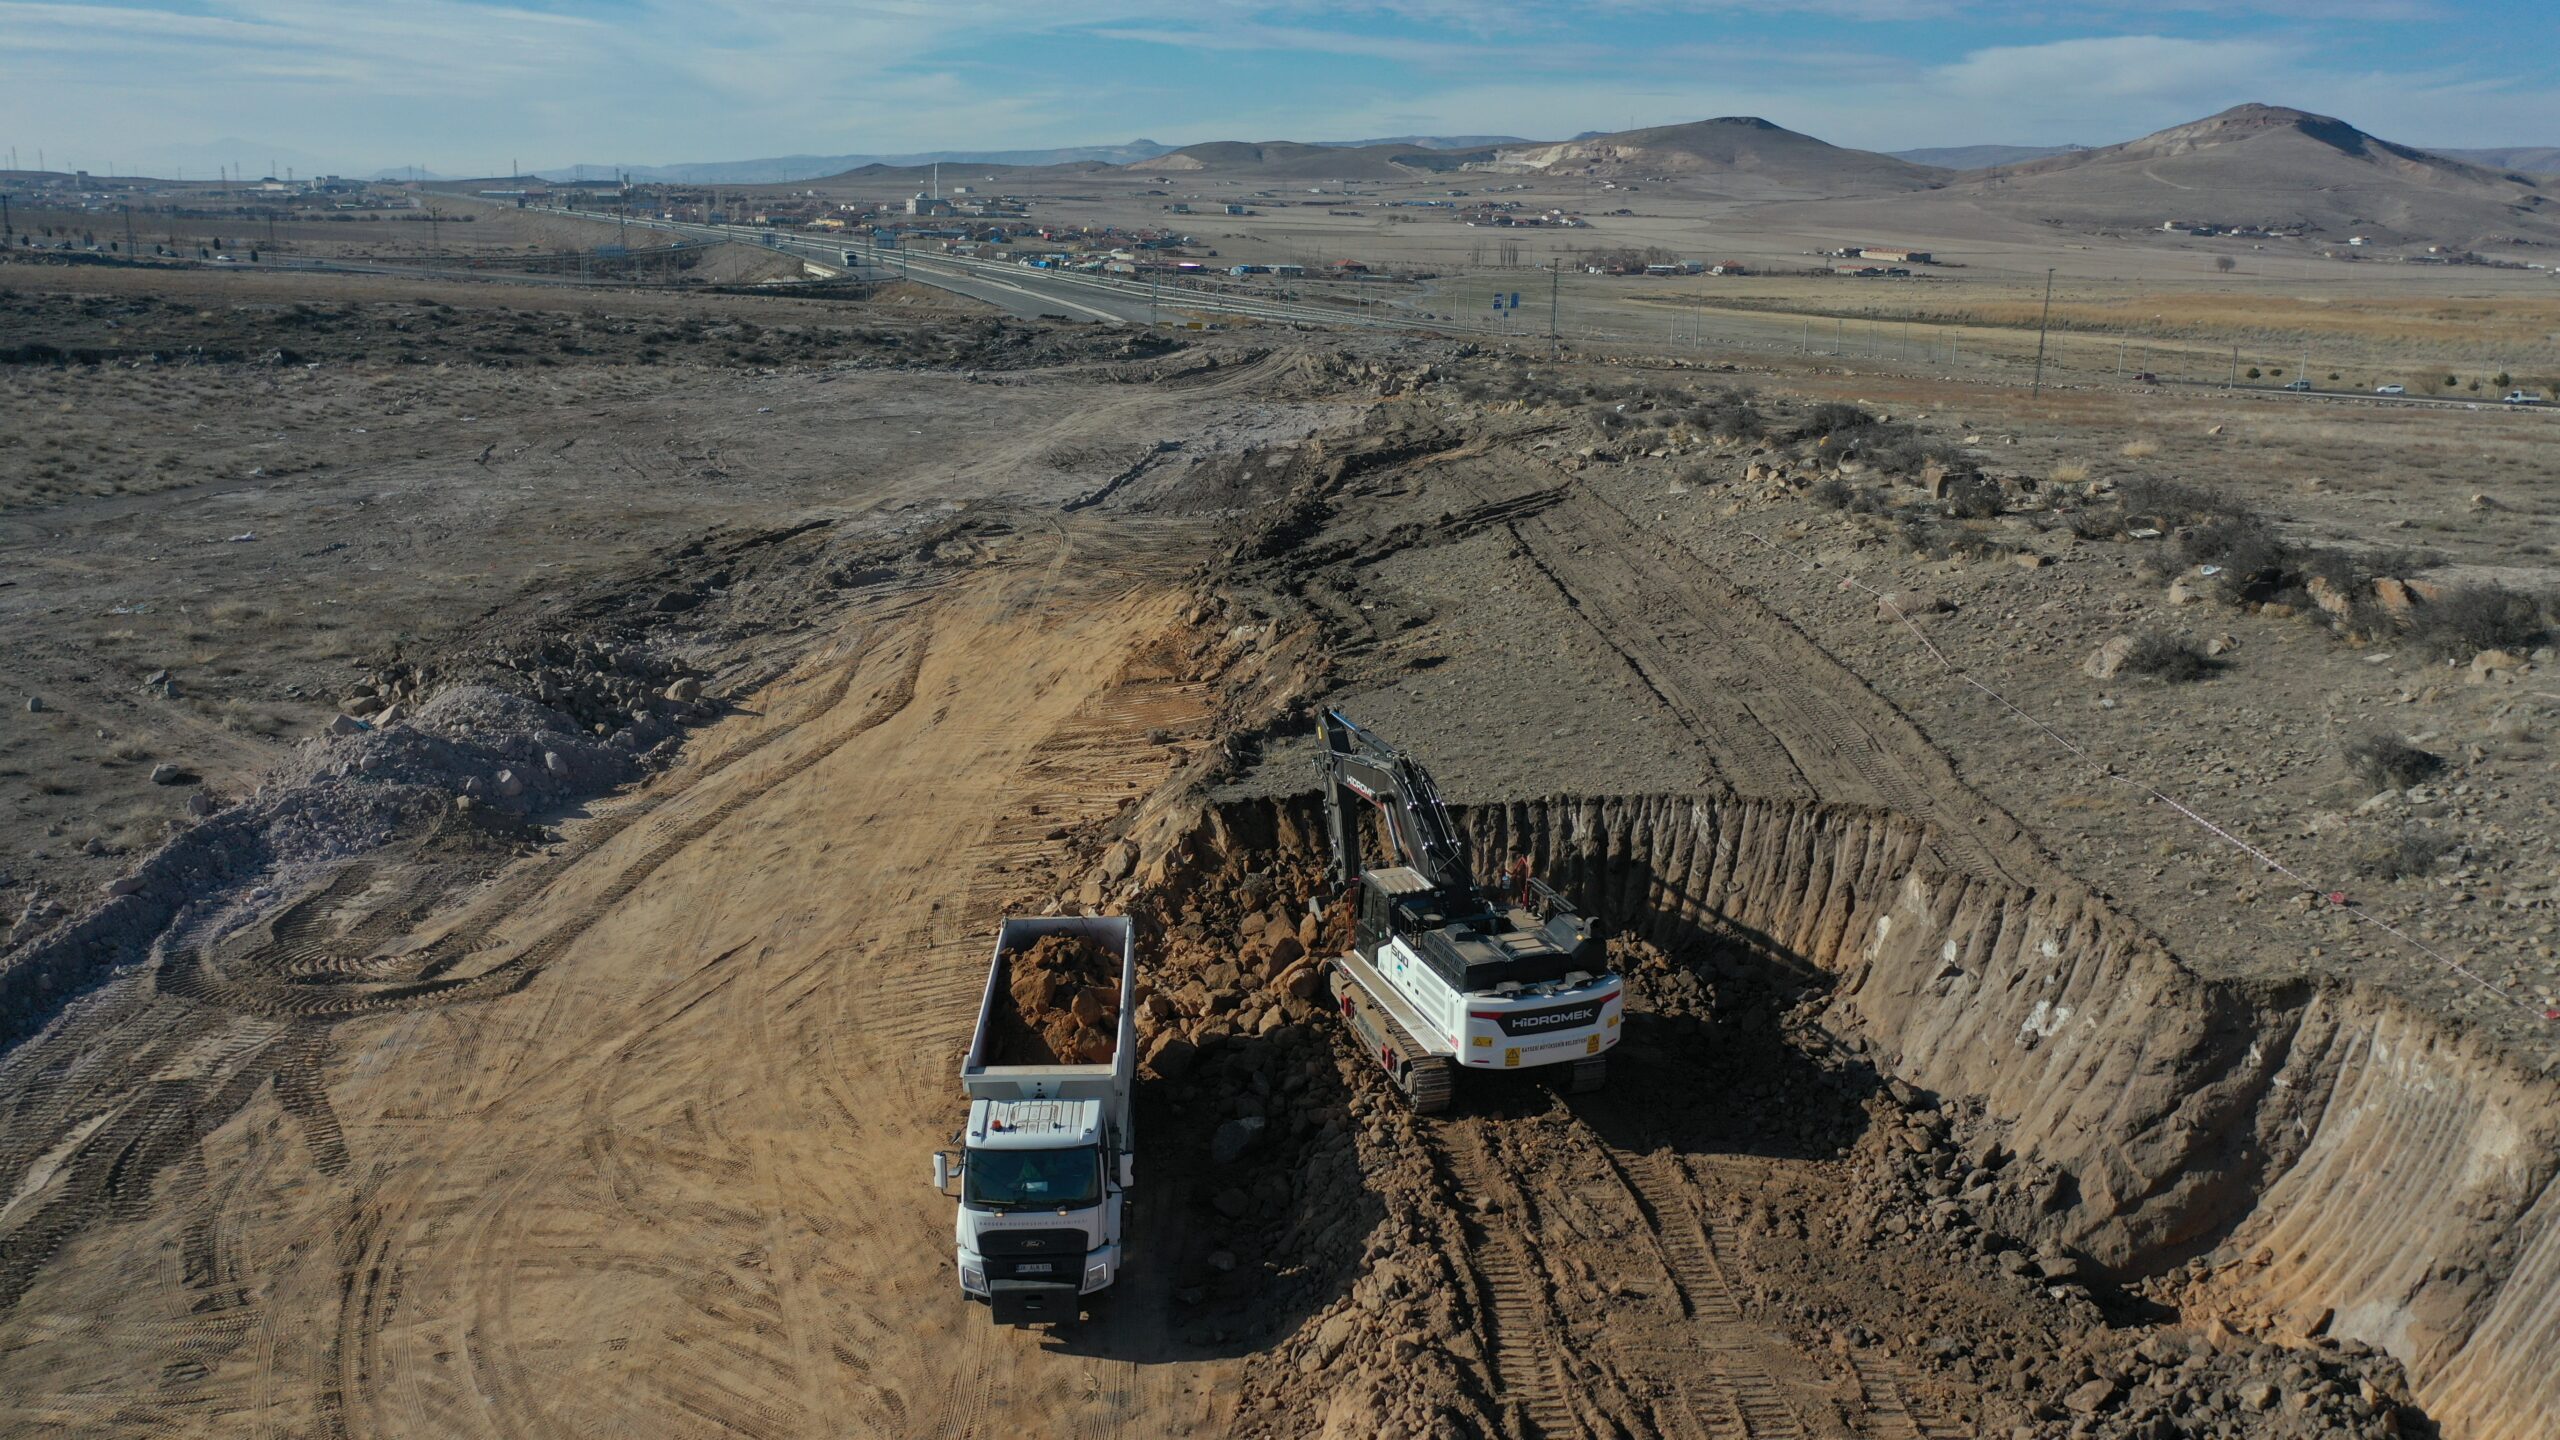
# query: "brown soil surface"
1066,1004
546,1051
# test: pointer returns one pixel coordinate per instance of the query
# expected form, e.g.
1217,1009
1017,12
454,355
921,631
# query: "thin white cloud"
470,85
2116,67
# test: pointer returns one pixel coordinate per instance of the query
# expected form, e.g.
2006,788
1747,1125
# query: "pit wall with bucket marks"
2325,1147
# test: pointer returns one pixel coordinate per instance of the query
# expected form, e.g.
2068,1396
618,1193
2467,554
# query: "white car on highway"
2391,390
2524,397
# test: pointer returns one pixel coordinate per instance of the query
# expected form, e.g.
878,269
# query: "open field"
401,227
559,1049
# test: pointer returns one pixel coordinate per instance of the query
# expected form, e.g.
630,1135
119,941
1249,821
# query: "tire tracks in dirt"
1779,715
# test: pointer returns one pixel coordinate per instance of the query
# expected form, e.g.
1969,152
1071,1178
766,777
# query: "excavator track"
1426,1080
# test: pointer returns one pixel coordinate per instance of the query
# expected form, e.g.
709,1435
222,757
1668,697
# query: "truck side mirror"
946,1168
1128,1170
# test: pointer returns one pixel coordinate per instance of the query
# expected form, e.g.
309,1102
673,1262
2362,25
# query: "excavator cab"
1397,900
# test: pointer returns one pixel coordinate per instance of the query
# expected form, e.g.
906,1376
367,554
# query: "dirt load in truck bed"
1066,1004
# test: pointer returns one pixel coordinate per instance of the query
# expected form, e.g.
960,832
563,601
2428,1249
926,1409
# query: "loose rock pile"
1292,1236
1066,1004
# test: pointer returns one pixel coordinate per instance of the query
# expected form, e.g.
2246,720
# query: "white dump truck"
1044,1167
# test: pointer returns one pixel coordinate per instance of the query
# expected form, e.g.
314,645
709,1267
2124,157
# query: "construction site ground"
605,1105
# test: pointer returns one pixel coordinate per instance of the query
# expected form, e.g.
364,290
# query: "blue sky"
463,87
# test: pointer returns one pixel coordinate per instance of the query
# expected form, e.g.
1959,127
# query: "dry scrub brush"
2384,760
2463,622
2167,659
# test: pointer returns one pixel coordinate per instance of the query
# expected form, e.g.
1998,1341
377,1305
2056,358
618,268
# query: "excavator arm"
1357,764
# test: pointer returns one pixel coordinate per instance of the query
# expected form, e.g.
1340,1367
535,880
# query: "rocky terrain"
607,802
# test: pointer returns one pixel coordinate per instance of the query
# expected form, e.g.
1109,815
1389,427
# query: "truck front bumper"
1034,1302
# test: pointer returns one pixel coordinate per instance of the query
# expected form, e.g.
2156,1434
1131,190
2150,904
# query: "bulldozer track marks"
1867,742
1760,695
1706,1371
1741,1398
1892,1412
1525,1343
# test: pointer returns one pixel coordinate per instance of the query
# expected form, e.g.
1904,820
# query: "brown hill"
1736,148
2275,167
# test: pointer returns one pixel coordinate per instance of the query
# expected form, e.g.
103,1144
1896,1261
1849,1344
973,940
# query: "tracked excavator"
1445,974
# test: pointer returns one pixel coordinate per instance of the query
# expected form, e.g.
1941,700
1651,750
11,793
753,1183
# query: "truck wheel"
1428,1083
1587,1076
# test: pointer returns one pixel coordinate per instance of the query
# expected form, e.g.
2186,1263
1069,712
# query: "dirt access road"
675,1186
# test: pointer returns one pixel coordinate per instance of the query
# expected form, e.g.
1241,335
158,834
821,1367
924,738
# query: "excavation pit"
2210,1187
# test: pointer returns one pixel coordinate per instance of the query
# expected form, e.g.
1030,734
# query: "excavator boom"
1357,763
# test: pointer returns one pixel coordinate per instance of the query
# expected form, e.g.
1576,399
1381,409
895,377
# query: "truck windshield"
1035,1179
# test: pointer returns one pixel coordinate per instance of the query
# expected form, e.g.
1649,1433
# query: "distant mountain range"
783,169
1980,157
2538,159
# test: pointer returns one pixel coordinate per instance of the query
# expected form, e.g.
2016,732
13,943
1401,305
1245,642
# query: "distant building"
922,204
1728,267
1893,254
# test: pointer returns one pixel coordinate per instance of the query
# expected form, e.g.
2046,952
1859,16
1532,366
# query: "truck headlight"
973,1278
1097,1276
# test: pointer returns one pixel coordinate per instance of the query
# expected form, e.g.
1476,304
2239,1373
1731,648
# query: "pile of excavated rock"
1291,1236
1066,1004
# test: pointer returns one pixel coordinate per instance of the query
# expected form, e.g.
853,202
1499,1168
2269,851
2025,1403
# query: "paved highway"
1034,293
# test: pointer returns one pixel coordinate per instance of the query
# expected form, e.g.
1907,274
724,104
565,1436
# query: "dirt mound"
1066,1004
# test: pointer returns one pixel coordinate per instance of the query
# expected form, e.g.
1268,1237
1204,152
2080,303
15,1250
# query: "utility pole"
128,233
1555,283
2042,321
2234,382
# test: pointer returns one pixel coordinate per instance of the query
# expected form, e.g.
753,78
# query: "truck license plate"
1033,1267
